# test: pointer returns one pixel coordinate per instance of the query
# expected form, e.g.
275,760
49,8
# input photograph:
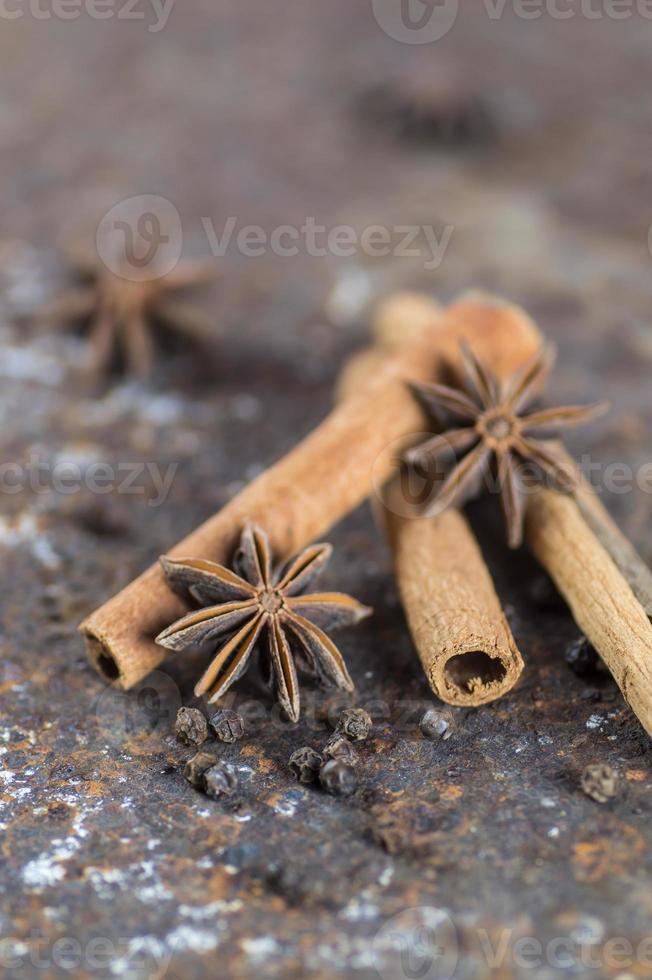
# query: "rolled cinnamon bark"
600,598
315,485
454,615
458,626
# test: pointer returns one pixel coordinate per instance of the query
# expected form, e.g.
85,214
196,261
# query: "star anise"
497,433
257,606
121,312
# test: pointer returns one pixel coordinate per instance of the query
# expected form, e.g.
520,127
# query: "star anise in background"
256,606
430,104
497,433
121,313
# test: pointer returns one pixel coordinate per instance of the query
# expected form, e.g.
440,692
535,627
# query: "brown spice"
121,310
227,725
190,726
496,430
197,767
323,478
355,724
601,782
259,604
600,598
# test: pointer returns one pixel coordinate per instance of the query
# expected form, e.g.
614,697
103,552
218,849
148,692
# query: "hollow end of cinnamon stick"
455,617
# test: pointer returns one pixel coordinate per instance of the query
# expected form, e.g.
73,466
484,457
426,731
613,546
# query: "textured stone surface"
254,111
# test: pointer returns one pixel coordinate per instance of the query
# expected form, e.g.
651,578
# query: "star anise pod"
497,433
121,313
256,606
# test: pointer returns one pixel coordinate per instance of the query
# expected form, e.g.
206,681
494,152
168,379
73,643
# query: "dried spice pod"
309,490
220,781
437,724
355,724
601,782
196,768
262,607
191,727
305,763
122,302
339,747
338,778
227,725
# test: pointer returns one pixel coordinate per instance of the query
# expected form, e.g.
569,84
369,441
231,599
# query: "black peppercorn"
305,764
600,782
220,781
197,767
582,658
355,723
190,726
437,724
227,725
338,778
338,747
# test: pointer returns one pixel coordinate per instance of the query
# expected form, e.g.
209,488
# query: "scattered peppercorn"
437,724
338,778
600,782
220,781
305,763
338,747
190,726
354,723
197,767
228,725
582,658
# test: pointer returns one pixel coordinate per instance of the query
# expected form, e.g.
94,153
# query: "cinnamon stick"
454,615
314,486
458,626
600,598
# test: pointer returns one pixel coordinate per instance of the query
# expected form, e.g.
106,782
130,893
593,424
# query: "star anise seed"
121,312
497,432
258,606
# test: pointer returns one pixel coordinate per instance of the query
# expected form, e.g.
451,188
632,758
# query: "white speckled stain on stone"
595,722
199,913
260,949
25,531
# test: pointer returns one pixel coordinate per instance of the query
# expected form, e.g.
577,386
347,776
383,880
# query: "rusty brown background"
263,111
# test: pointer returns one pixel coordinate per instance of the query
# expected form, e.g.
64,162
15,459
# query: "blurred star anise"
497,433
121,311
257,606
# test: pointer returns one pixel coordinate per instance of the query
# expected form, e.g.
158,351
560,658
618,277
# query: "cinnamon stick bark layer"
458,626
600,598
315,485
